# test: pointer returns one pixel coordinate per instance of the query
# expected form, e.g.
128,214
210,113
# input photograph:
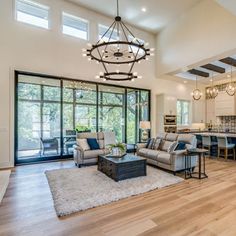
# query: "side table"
201,173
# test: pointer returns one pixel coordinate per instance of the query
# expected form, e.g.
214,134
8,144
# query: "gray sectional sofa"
164,157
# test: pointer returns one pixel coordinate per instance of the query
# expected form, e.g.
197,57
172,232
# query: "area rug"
78,189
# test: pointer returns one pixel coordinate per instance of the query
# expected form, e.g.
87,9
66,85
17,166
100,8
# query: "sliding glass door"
38,118
49,111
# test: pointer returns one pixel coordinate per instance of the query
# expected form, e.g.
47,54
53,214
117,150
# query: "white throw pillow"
83,144
172,147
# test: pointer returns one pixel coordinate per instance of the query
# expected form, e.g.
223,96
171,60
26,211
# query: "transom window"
31,12
75,26
138,41
183,112
102,29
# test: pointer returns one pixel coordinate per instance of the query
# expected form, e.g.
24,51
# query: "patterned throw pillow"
172,147
150,145
83,144
156,144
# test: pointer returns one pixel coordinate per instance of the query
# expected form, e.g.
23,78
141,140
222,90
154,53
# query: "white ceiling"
158,12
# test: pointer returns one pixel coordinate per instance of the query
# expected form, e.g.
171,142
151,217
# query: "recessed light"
185,81
144,9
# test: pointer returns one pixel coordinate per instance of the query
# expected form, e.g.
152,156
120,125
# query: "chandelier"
118,50
230,89
196,93
213,91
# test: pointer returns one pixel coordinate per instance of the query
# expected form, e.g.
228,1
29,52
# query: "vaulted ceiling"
158,14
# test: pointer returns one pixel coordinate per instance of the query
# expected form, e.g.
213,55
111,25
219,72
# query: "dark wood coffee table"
126,167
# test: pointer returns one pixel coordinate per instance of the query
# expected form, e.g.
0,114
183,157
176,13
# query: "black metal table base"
201,173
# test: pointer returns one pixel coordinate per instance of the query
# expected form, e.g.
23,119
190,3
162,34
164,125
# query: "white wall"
28,48
204,33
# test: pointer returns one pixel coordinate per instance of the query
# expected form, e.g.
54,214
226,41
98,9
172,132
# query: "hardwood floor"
193,207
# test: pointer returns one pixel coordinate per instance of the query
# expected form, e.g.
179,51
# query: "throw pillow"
156,144
93,143
151,143
83,144
148,142
172,147
180,146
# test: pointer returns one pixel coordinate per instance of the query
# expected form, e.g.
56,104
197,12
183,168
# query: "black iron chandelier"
118,50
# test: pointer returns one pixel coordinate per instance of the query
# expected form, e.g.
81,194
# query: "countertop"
216,134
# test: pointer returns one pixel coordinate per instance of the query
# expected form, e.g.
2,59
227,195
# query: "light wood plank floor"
193,207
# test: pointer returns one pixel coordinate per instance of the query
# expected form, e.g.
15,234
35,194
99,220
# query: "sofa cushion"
93,153
86,135
164,157
93,143
83,144
148,153
186,138
161,135
165,145
156,144
171,137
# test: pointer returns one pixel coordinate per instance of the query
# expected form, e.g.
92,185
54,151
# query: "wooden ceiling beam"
214,68
199,73
229,61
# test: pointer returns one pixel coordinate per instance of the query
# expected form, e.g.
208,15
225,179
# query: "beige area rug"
4,181
78,189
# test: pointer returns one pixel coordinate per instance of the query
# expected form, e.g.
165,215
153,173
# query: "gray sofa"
90,156
162,157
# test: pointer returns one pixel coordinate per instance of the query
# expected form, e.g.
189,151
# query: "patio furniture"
69,140
49,144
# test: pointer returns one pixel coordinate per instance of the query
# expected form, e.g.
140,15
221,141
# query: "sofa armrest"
141,145
178,152
78,148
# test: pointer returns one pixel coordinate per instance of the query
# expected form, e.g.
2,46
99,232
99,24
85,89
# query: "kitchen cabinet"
225,104
210,111
198,111
166,105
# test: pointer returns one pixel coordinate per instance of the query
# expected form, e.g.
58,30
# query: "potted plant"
117,150
82,129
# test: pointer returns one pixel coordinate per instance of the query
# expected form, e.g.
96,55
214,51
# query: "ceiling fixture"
230,88
118,50
212,91
144,9
196,93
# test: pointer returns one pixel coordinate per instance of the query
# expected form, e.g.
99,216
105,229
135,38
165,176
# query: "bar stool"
207,143
223,144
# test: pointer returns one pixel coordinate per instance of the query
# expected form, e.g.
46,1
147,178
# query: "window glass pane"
68,94
111,95
51,93
182,112
33,13
85,118
29,91
102,30
75,26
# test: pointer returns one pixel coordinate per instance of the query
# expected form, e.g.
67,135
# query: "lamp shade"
145,125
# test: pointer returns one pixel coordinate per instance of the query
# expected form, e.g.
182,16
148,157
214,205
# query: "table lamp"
145,125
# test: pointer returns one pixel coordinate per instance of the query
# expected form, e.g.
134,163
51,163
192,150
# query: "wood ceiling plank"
199,73
229,61
214,68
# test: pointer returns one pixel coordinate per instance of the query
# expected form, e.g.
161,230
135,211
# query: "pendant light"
118,50
212,91
196,93
230,88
